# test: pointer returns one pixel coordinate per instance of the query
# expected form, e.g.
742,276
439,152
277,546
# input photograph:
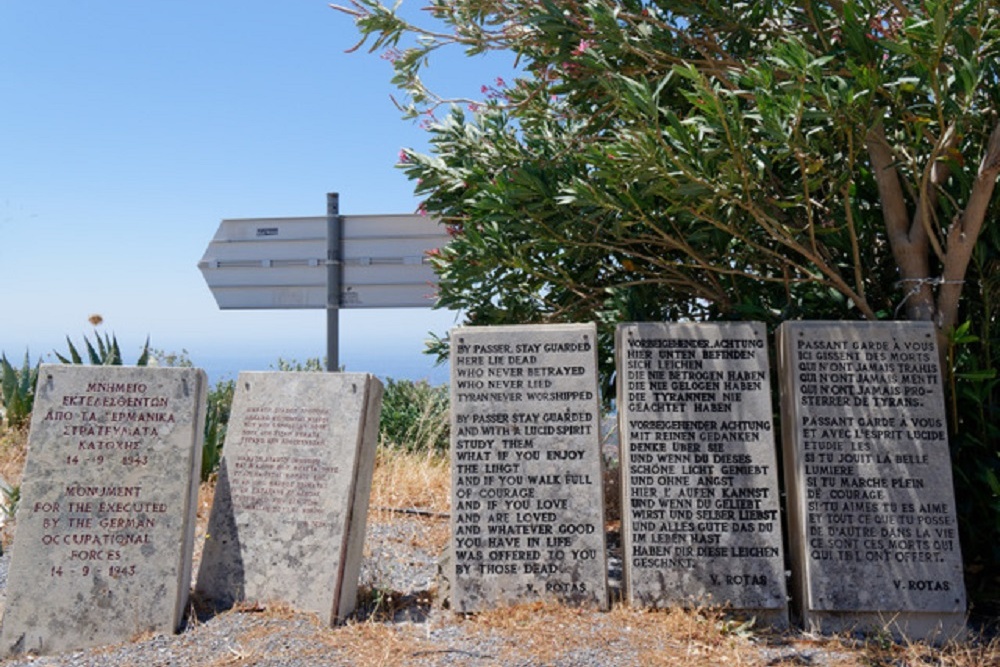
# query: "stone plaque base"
873,531
701,517
105,526
527,513
288,519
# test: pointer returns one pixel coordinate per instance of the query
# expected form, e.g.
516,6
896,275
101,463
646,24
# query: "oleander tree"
684,160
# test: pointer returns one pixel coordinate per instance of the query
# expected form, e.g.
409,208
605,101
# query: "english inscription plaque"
527,495
105,527
701,520
291,503
874,539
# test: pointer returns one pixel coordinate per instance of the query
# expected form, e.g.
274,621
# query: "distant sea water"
387,366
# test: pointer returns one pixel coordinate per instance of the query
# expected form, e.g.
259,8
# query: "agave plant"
18,390
106,353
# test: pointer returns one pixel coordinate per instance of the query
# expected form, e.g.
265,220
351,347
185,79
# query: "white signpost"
331,262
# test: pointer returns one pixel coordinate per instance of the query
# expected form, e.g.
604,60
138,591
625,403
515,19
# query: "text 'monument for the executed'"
105,528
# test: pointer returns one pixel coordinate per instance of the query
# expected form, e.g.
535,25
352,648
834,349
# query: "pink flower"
582,47
403,157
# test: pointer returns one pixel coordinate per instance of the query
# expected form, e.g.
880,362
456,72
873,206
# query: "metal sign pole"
334,269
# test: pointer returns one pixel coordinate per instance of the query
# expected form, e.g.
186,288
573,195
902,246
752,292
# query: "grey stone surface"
873,533
527,498
105,527
700,505
288,518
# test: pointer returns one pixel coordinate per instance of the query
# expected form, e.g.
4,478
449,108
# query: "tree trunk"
907,238
910,239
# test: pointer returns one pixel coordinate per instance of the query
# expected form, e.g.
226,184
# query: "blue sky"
130,129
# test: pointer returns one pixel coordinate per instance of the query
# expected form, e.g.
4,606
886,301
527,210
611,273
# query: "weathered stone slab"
873,534
105,527
291,502
700,502
527,495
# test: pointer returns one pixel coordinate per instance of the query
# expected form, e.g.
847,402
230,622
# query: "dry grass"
379,644
206,495
275,621
547,632
414,486
973,652
13,452
411,481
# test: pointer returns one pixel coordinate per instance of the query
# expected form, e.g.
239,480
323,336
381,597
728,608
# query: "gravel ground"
401,622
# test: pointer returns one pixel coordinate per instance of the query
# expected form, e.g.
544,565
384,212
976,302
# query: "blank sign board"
258,263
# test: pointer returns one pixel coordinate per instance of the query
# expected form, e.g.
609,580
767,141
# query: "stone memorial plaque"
527,496
288,518
873,534
105,526
701,511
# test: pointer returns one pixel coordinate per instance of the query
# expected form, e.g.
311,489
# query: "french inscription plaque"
288,518
874,539
527,495
105,526
701,510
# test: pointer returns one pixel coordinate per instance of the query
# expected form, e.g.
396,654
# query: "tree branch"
935,173
964,232
909,243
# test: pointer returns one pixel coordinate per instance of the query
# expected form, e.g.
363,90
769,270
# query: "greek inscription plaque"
105,527
288,519
699,477
871,501
527,496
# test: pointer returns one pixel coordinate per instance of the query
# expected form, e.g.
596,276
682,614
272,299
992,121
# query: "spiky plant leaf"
143,359
96,358
74,356
114,352
17,390
8,380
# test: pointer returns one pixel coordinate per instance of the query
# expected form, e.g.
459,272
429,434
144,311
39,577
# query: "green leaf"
977,376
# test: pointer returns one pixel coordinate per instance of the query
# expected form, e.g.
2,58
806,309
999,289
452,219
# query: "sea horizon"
219,368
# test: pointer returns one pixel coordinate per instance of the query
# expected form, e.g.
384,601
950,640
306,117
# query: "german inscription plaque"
701,519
